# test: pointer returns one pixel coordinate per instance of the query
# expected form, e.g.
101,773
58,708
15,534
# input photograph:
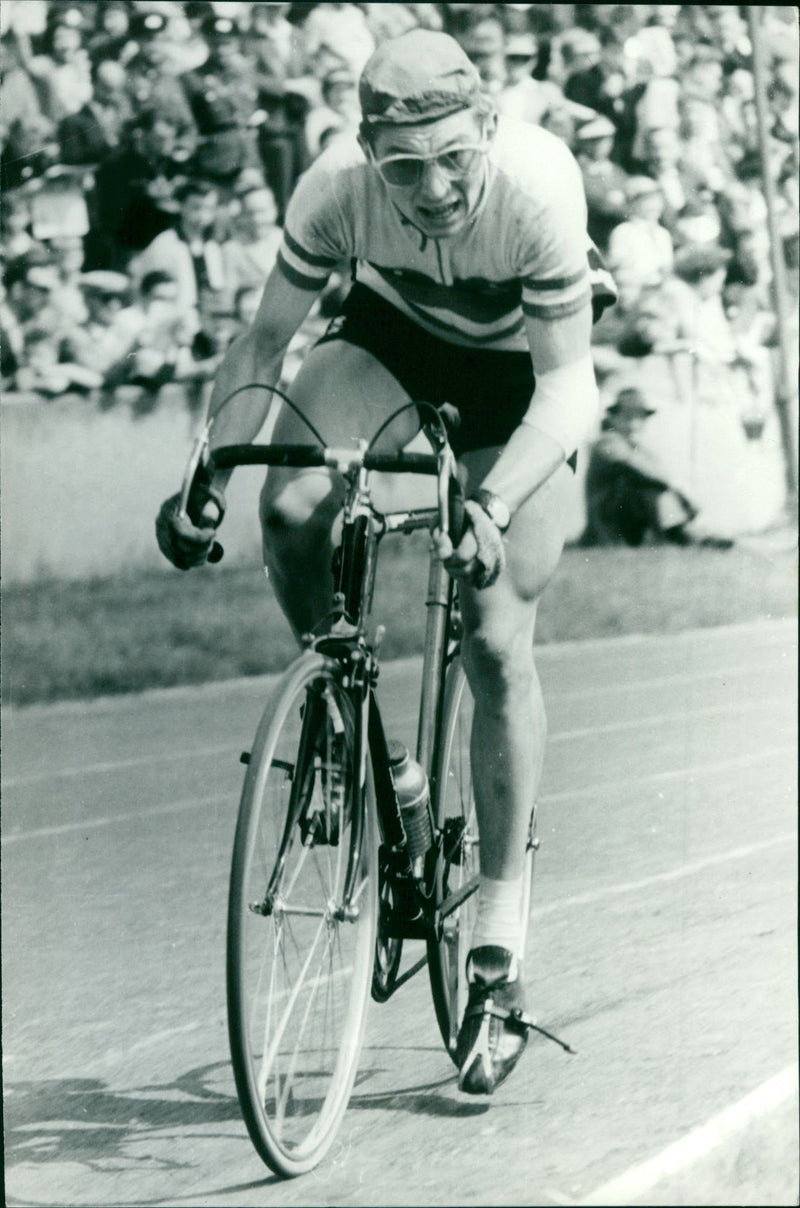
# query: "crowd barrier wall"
82,482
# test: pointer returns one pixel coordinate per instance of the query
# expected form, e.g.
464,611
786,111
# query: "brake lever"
197,457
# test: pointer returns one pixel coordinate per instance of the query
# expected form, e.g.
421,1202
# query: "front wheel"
301,919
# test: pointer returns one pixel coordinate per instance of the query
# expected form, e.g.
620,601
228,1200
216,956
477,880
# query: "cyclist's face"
440,189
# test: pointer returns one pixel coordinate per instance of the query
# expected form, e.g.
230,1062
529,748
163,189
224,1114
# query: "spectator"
112,38
754,333
249,255
277,51
738,113
15,224
30,285
572,52
601,85
223,94
559,121
485,43
338,113
187,253
662,161
743,212
12,343
698,222
605,182
135,190
98,342
67,257
154,84
702,151
20,98
640,249
729,34
651,48
390,20
703,323
340,29
62,74
95,131
152,339
27,143
522,96
629,496
45,372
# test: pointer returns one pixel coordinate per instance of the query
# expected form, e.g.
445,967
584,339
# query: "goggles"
407,170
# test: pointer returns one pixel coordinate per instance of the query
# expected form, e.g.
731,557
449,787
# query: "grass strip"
71,640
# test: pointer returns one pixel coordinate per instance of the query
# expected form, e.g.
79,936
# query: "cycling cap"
420,76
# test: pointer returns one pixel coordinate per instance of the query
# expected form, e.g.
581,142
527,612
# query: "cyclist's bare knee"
498,661
298,508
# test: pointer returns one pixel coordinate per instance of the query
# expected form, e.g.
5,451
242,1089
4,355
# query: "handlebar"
203,463
227,457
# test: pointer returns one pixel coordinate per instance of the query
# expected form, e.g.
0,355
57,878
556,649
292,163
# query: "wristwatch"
498,512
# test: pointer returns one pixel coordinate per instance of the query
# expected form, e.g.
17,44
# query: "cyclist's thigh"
534,543
347,394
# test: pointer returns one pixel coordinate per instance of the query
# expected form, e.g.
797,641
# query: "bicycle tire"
298,976
457,859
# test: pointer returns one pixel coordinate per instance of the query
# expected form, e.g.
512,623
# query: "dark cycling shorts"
492,390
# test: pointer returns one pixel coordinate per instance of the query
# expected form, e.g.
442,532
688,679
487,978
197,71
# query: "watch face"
500,514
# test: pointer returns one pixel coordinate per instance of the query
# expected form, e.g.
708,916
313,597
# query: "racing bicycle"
332,871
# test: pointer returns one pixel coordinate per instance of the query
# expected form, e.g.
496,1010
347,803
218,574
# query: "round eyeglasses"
407,170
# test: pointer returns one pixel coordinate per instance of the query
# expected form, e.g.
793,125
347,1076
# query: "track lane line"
752,705
66,828
687,773
632,1184
660,878
597,787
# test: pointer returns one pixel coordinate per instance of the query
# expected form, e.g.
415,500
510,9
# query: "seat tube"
438,603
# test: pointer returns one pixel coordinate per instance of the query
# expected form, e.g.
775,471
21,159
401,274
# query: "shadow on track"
82,1120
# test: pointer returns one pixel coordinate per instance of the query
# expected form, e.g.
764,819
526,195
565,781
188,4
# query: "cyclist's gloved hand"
182,542
480,555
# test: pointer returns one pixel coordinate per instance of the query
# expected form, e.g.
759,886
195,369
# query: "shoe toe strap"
514,1015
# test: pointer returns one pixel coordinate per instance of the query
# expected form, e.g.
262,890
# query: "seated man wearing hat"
628,496
472,268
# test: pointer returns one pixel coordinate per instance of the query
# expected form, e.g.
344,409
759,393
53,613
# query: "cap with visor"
420,76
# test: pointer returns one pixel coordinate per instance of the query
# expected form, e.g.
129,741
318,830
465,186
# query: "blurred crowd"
149,148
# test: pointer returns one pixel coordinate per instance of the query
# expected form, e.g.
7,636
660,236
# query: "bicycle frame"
362,531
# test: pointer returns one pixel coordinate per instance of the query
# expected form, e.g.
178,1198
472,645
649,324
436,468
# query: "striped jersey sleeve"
314,236
551,244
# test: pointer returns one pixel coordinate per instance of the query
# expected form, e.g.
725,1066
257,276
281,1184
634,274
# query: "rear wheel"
456,875
301,921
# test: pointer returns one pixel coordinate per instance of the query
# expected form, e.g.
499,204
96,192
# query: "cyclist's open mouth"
441,215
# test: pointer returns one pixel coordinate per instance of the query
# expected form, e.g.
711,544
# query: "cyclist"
471,267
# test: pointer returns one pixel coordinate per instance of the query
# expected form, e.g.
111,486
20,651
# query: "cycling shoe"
493,1034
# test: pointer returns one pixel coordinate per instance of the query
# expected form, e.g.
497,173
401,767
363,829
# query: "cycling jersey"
524,250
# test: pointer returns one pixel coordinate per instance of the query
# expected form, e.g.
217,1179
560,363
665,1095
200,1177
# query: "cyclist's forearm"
528,460
239,417
562,414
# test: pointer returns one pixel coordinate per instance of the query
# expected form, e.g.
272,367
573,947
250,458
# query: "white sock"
498,921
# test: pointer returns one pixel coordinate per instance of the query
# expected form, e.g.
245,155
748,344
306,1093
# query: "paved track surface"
663,948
